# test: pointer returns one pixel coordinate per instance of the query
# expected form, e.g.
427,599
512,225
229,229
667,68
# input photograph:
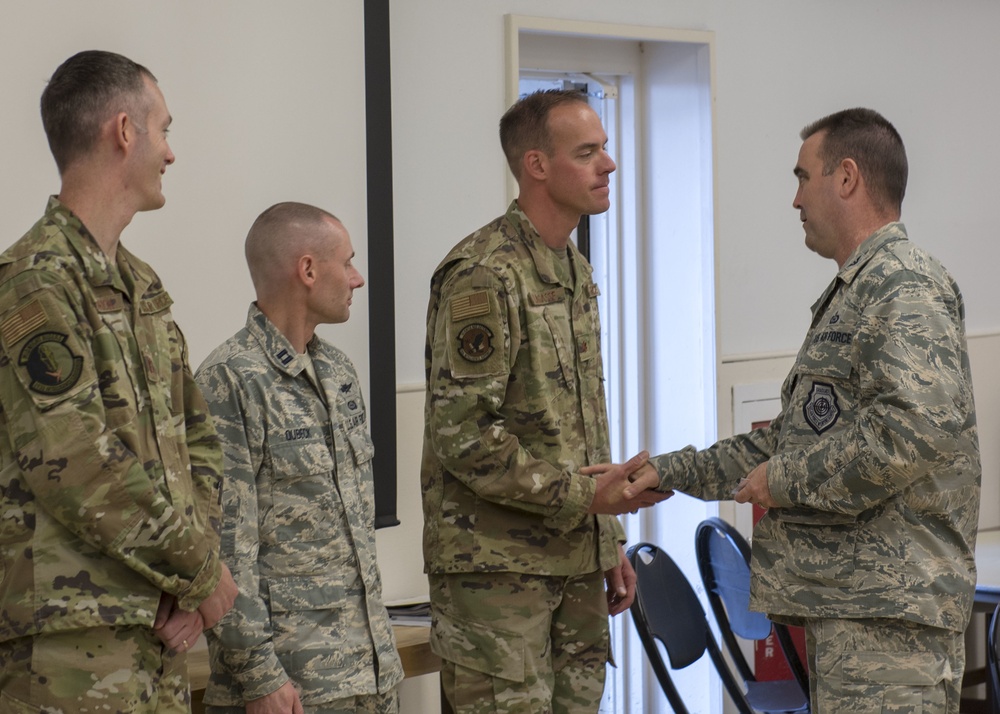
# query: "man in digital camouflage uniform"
309,631
871,472
518,537
109,464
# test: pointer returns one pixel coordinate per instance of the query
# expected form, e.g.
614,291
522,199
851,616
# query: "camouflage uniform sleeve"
711,474
79,471
912,404
470,387
245,632
206,478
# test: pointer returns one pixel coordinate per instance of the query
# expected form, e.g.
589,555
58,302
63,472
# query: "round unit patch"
52,366
475,343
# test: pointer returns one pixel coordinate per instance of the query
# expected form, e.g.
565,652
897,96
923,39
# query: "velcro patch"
472,305
52,366
475,343
548,297
110,303
23,322
821,408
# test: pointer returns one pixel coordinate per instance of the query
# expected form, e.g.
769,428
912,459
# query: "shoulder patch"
471,305
52,366
475,342
23,322
821,408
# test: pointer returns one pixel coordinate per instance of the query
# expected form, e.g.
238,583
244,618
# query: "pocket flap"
361,446
302,594
919,669
482,648
295,459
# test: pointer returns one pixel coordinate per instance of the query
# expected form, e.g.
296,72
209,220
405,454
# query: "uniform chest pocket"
826,387
115,370
362,447
304,497
559,346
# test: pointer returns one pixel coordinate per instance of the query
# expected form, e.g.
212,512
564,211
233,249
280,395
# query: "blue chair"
993,663
724,561
666,609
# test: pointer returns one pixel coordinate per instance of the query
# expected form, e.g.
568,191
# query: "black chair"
993,663
724,561
667,609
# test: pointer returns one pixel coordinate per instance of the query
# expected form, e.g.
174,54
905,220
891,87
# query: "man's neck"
289,321
554,227
859,234
99,206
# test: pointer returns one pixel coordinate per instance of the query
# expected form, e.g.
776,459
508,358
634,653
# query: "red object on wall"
769,660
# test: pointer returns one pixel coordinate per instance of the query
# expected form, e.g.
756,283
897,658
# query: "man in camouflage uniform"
518,538
309,631
109,464
871,472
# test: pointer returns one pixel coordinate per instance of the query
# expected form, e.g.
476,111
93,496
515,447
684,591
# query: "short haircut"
876,147
524,127
280,236
85,91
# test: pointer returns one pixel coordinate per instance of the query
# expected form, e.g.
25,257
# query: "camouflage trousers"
512,643
881,665
100,670
364,704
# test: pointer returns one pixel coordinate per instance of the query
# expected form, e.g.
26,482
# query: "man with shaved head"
308,632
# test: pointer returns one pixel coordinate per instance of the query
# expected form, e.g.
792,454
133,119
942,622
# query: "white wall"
268,105
268,101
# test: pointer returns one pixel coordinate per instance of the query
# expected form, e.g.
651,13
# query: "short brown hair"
280,235
84,91
876,147
524,126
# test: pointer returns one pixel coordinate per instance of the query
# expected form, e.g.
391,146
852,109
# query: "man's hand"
283,700
176,628
625,488
221,600
621,585
754,488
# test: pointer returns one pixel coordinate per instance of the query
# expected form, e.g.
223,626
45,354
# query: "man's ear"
850,177
535,164
306,270
123,131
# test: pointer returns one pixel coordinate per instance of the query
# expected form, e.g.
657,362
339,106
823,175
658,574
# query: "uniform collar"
276,346
96,265
889,233
541,255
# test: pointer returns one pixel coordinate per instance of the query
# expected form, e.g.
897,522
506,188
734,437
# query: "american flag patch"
23,322
466,306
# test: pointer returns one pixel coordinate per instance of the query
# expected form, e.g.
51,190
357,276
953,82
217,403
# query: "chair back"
724,563
667,609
